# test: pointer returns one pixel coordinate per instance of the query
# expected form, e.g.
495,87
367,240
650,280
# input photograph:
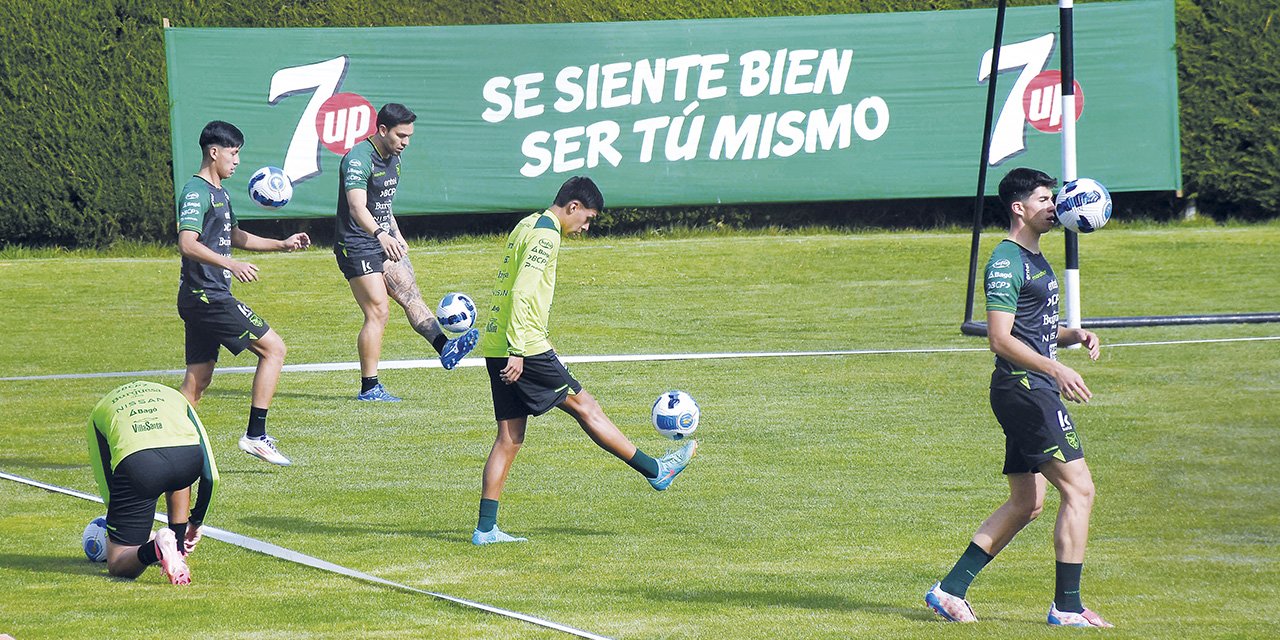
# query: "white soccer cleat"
493,536
951,608
263,448
175,568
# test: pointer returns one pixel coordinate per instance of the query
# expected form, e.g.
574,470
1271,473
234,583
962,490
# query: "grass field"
829,494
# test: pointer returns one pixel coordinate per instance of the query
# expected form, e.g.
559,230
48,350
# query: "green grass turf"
830,492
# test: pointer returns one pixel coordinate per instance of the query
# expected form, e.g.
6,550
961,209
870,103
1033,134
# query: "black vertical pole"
970,327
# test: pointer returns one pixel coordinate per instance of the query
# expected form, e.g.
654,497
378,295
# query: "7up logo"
1035,97
1042,101
344,120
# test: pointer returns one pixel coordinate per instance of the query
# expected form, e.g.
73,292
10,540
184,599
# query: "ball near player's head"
395,125
220,144
578,201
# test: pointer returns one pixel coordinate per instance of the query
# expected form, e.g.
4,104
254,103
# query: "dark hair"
1019,183
394,113
582,189
223,134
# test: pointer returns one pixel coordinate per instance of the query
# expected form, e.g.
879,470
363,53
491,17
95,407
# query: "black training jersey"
364,168
206,210
1022,283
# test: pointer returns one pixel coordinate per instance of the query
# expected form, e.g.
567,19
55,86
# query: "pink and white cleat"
951,608
175,568
1086,618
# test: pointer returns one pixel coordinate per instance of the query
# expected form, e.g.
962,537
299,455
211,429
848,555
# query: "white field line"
648,357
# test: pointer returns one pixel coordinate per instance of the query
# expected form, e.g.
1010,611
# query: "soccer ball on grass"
675,414
94,540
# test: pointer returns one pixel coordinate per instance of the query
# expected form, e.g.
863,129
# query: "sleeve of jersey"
191,208
99,459
530,293
1003,280
355,172
208,475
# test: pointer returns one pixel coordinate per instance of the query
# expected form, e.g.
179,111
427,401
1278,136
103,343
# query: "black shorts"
1037,428
139,480
354,265
544,384
226,322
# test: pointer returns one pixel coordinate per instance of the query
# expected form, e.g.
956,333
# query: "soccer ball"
675,414
1083,205
456,313
270,188
95,539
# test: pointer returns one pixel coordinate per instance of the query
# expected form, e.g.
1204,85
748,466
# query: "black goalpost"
1071,285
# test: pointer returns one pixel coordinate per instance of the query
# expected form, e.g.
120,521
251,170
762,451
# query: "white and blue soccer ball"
1084,205
456,313
95,539
675,414
270,188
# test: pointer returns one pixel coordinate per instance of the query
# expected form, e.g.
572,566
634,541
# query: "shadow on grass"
71,565
761,598
237,393
292,525
6,463
460,534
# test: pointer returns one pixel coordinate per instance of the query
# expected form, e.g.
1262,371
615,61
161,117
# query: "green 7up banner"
687,112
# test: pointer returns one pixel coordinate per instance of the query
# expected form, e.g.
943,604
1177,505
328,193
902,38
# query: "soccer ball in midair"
456,313
1083,205
95,539
270,188
675,414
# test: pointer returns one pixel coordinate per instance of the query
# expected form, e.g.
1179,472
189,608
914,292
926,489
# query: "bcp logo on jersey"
343,121
1042,101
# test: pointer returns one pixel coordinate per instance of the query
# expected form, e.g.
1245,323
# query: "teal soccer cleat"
670,465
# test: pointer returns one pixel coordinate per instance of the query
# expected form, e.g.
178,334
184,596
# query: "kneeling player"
146,441
525,375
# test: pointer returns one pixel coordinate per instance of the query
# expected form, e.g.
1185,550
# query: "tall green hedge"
1229,92
84,136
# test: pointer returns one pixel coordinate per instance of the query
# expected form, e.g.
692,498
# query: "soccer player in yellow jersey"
146,441
525,375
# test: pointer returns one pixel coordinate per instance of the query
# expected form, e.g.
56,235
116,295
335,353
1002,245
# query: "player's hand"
296,242
511,372
244,271
1071,385
191,540
391,246
1090,341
